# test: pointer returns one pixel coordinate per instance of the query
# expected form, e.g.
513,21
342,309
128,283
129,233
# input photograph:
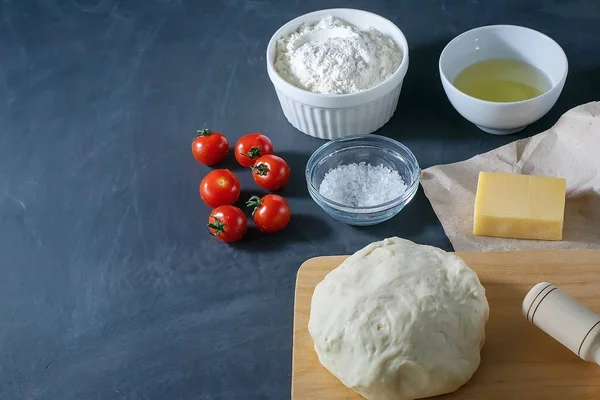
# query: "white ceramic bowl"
330,116
503,41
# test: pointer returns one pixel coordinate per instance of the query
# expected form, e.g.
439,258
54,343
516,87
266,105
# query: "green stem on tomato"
217,226
253,153
254,202
204,132
260,169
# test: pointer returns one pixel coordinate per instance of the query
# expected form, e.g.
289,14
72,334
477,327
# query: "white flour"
334,57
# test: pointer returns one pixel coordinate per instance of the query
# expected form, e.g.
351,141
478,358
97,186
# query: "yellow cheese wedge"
519,206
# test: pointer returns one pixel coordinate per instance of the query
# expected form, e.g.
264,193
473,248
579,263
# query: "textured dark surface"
110,287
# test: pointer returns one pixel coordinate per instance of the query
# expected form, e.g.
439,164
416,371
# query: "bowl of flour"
338,72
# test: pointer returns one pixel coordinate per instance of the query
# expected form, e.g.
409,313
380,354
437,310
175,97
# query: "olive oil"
502,80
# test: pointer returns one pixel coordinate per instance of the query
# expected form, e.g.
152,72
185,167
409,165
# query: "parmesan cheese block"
519,206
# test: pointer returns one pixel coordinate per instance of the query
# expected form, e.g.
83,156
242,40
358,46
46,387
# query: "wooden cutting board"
518,361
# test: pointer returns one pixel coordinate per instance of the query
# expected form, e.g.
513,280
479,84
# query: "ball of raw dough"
398,320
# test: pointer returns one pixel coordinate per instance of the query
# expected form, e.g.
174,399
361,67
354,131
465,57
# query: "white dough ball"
398,320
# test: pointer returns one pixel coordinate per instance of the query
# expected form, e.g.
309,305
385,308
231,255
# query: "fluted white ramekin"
330,116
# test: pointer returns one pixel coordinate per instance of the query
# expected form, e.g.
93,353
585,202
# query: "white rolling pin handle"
566,320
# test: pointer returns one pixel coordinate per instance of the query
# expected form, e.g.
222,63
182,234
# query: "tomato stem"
217,226
260,169
253,153
204,132
254,202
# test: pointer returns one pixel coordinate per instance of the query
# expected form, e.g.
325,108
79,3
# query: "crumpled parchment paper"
570,149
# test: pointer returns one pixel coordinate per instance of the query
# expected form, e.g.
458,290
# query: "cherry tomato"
220,187
250,147
271,172
209,147
227,223
271,213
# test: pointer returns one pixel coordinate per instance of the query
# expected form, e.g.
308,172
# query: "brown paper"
570,149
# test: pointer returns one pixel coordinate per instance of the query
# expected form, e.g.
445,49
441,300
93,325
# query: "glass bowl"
371,149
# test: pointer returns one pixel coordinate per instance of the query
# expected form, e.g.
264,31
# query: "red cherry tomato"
227,223
220,187
271,172
271,213
250,147
210,148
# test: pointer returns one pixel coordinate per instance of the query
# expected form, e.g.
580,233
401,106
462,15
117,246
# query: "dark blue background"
110,286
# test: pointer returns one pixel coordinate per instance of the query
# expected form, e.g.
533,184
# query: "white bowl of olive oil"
503,77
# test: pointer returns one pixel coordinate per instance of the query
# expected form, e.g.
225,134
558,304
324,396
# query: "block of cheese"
519,206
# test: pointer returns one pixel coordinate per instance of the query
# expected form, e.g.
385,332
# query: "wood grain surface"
518,362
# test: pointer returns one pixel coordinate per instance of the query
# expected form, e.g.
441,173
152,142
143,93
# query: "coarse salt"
362,185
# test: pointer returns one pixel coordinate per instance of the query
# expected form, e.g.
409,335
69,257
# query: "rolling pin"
566,320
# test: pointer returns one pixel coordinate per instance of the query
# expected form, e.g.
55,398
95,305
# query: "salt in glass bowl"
371,149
